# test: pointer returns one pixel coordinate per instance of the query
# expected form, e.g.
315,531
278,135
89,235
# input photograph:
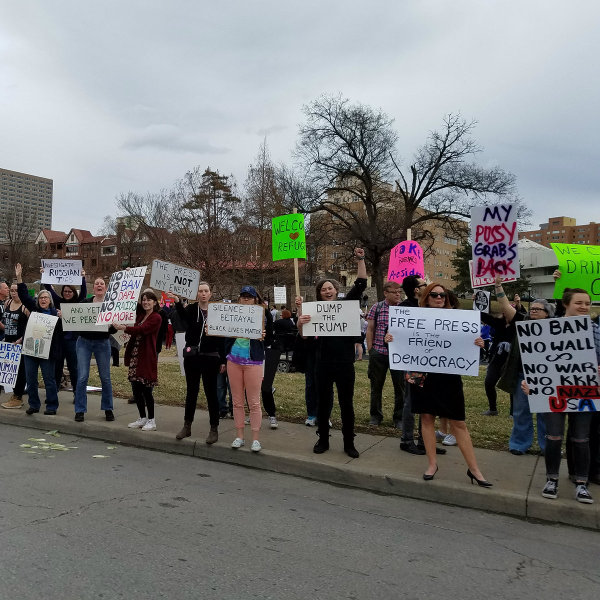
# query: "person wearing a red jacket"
142,359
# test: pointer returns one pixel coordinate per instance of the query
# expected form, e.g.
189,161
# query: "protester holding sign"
577,302
203,357
142,359
33,363
441,394
14,318
97,344
334,364
245,359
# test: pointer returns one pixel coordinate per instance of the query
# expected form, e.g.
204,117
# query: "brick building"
564,230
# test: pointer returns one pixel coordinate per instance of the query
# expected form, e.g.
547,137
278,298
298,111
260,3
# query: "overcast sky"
110,96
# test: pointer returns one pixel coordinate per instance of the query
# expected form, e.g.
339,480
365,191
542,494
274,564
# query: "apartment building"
564,230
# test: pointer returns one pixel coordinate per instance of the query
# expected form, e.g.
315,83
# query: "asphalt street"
104,521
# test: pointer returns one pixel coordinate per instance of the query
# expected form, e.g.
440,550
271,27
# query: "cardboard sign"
120,337
481,301
434,340
477,282
180,344
335,318
81,317
178,280
61,271
38,335
10,357
406,259
120,300
288,237
279,295
228,319
494,239
559,364
579,267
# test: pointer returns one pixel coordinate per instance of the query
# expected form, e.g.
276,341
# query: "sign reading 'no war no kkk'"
494,241
332,318
406,258
81,317
579,267
120,300
288,237
434,340
181,281
559,364
66,272
235,320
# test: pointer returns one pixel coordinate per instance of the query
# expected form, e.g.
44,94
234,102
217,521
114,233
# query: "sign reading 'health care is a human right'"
494,239
289,239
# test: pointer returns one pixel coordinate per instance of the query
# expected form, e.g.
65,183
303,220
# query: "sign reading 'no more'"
120,301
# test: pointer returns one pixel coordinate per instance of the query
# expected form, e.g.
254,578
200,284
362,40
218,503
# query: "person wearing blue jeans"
46,365
521,437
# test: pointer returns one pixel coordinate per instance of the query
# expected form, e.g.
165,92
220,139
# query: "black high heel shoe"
427,477
480,482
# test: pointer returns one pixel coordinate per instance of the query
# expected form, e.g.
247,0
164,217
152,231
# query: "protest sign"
406,258
61,271
477,282
120,300
288,237
279,295
434,340
38,335
235,320
481,301
120,337
180,344
181,281
337,317
559,364
579,267
494,239
81,317
10,357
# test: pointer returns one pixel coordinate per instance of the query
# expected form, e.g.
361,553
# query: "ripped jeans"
579,433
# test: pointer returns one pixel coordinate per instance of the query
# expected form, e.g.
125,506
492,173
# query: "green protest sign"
289,239
580,268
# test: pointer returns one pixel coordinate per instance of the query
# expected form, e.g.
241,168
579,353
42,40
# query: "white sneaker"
139,423
439,436
273,422
247,420
310,421
150,425
449,440
256,447
237,443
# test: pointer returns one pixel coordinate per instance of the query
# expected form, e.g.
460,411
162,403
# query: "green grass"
487,432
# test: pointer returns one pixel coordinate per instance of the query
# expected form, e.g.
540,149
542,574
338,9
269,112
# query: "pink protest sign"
494,239
406,259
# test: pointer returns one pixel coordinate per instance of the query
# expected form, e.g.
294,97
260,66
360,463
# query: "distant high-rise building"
564,230
25,202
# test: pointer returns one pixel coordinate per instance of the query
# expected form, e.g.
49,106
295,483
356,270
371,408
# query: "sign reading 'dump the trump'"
434,340
38,335
559,364
227,319
337,317
406,258
181,281
579,267
494,239
288,237
120,300
81,317
57,270
10,357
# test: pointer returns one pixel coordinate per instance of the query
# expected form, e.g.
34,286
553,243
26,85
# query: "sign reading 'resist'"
434,340
227,319
332,318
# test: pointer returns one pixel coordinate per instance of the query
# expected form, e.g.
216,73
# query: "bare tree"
17,234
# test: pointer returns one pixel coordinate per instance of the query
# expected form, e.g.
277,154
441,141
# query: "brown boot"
213,436
14,402
186,430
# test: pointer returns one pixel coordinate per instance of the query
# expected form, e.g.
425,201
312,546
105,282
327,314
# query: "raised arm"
507,310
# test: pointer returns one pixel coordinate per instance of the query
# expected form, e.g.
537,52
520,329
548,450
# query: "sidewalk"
382,466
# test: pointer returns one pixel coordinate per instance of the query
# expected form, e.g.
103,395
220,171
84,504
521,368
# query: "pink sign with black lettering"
406,259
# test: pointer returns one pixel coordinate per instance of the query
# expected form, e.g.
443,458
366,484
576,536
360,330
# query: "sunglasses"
438,294
422,285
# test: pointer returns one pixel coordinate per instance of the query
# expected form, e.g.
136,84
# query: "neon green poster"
580,268
289,239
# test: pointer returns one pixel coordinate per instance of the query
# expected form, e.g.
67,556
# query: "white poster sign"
338,317
81,317
120,300
477,282
279,295
120,337
481,301
434,340
180,344
38,335
228,319
62,271
10,357
168,277
559,363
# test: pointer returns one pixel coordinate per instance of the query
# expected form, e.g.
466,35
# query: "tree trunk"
377,274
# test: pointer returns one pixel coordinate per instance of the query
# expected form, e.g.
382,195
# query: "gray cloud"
170,138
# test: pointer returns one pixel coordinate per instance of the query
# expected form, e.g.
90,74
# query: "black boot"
349,448
322,444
